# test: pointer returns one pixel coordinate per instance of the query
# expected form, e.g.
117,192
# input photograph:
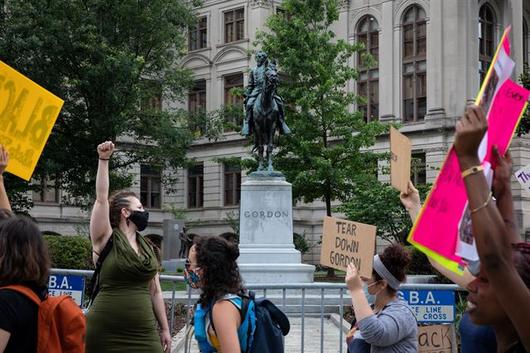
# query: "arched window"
526,39
368,82
414,64
486,38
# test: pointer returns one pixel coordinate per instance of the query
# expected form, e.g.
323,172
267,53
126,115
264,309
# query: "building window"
197,97
233,101
418,172
526,39
47,191
195,186
150,187
234,25
198,35
232,177
486,38
414,64
368,82
151,98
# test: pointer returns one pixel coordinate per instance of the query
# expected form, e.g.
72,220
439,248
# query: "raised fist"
105,149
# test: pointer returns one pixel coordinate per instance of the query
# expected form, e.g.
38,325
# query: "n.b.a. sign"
73,286
431,305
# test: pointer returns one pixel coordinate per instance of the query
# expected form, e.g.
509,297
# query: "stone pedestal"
267,253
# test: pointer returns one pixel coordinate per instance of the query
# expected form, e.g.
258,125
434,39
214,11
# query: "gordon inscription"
266,214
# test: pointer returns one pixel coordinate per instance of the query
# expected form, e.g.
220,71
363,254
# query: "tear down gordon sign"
346,241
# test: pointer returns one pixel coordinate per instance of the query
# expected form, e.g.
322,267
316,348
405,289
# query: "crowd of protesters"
129,308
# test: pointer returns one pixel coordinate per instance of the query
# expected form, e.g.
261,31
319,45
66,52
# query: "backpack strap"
25,291
94,281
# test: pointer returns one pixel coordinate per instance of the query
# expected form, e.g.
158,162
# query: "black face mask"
140,219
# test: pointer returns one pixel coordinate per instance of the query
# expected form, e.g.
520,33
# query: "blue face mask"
369,297
192,278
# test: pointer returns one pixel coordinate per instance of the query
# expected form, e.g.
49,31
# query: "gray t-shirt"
393,330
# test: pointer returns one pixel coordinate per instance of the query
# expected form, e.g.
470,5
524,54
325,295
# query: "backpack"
271,324
61,324
94,280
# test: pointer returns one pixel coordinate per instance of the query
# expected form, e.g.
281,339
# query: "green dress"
121,319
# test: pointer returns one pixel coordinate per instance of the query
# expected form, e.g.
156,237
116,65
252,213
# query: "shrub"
300,243
70,252
419,264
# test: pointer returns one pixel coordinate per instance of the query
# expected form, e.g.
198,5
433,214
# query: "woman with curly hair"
212,267
391,325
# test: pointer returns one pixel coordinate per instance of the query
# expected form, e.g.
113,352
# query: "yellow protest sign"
27,115
346,241
436,339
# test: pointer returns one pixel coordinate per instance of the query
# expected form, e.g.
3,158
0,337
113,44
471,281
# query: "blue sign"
73,286
431,306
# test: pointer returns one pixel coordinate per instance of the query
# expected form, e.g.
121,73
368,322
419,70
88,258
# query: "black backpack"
271,325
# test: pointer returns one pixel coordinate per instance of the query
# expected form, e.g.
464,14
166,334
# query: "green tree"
112,62
323,158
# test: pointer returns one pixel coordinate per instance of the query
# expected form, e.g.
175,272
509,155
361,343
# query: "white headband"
385,274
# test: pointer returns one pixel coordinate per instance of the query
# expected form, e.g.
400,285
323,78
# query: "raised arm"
411,201
489,230
4,160
503,193
100,228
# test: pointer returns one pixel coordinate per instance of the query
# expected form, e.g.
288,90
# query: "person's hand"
105,149
411,199
353,279
4,159
470,130
165,340
502,172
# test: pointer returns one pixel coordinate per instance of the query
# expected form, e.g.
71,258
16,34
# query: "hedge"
70,252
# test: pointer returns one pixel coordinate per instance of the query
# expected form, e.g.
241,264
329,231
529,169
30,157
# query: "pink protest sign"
437,226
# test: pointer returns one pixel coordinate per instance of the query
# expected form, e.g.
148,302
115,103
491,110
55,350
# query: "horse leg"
270,140
260,156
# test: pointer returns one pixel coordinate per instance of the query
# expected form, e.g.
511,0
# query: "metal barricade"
278,293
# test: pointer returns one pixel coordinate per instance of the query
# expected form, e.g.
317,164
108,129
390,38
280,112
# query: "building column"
435,70
472,51
386,66
514,9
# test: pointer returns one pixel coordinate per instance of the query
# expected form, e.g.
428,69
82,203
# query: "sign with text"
436,339
400,152
431,306
345,242
523,177
27,115
73,286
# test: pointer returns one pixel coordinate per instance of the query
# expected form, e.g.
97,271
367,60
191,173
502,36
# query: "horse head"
271,78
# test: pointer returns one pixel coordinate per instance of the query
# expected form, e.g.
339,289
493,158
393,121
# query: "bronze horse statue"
265,114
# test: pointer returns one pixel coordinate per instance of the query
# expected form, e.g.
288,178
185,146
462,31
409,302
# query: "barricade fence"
432,302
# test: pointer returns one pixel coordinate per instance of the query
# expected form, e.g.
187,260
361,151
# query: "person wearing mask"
125,312
212,267
391,326
500,295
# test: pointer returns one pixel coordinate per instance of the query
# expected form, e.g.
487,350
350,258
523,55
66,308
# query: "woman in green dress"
124,314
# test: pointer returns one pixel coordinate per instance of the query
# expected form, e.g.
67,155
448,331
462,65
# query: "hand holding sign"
470,130
353,279
503,172
4,159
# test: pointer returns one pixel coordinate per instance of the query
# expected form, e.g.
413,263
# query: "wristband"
473,170
104,159
483,205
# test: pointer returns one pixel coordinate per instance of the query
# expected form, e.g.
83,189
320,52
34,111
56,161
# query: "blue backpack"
271,324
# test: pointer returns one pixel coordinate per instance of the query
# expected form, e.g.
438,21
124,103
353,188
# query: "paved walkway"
293,340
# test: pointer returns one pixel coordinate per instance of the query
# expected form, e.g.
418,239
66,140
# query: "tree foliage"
323,158
107,59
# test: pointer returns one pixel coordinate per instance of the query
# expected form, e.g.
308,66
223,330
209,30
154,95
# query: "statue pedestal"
267,253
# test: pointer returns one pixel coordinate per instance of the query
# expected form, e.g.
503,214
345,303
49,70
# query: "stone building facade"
431,55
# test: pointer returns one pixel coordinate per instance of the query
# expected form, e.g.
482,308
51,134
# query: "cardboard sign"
436,339
400,151
27,115
523,177
344,242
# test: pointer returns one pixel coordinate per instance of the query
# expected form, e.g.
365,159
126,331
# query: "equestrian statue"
263,109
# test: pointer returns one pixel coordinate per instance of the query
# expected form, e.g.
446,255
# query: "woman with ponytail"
212,267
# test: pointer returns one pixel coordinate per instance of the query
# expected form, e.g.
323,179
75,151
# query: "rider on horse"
254,88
